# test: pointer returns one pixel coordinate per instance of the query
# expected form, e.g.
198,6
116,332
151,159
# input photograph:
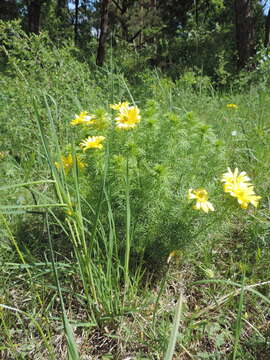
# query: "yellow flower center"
201,195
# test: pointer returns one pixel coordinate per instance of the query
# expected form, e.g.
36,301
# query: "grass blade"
72,347
238,320
174,332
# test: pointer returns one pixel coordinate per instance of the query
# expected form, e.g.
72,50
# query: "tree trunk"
104,17
33,9
76,22
267,30
245,31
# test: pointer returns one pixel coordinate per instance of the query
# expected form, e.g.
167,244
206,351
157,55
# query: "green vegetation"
103,255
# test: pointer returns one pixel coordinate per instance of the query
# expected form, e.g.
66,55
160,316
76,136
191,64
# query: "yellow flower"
92,142
83,118
128,117
81,165
245,195
232,106
67,163
232,178
119,105
201,197
238,185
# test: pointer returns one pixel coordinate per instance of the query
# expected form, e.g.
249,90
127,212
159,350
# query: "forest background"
171,35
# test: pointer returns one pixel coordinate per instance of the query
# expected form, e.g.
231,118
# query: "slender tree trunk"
154,10
76,37
245,31
34,8
104,17
267,30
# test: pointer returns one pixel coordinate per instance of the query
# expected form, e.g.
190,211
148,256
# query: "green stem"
127,249
238,320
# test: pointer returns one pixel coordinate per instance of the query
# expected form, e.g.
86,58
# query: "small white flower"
234,133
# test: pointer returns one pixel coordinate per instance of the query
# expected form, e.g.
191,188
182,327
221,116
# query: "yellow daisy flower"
119,105
245,194
232,178
84,118
67,163
238,185
201,197
232,106
92,142
128,117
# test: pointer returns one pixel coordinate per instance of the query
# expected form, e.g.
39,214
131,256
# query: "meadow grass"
110,260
